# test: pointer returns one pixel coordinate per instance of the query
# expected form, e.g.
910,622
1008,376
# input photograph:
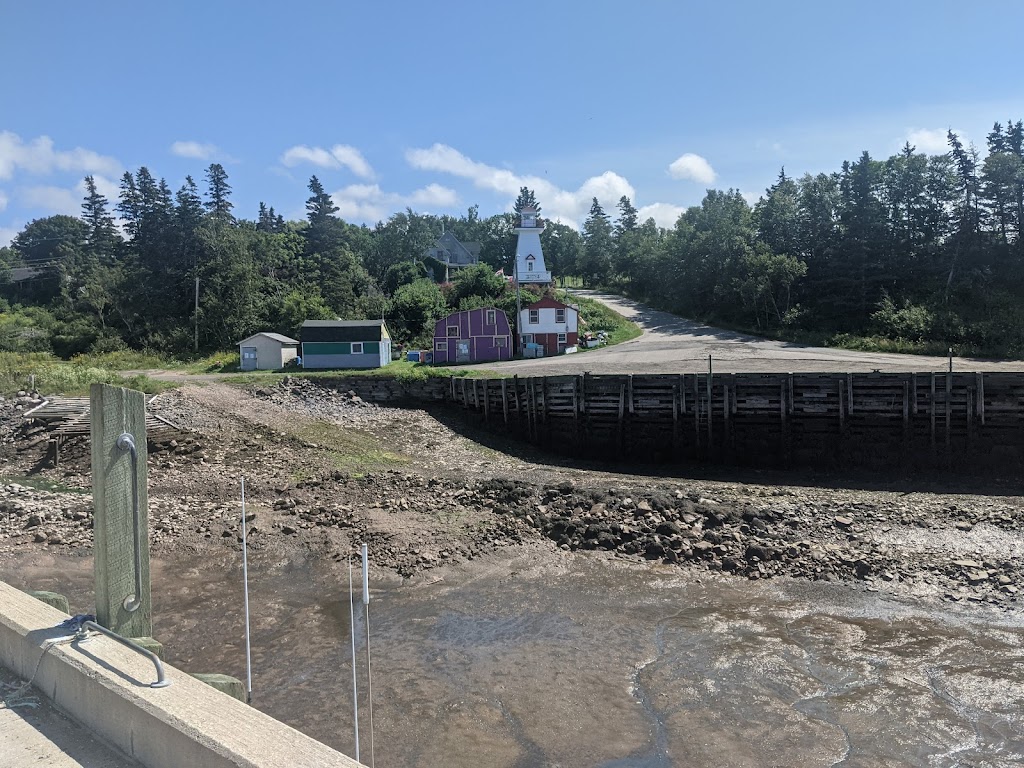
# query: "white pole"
366,616
245,583
352,633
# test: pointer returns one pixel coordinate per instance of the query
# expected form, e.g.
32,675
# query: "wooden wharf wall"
936,420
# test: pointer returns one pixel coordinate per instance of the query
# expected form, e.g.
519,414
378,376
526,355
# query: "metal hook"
125,442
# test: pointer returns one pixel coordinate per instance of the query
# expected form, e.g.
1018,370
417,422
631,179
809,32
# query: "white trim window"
453,331
440,346
527,338
561,338
357,347
534,316
499,341
559,315
492,317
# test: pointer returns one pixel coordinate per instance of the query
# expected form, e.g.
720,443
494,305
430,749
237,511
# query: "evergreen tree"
218,193
319,206
526,199
598,246
102,236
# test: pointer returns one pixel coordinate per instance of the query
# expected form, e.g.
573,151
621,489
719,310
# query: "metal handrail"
126,442
161,678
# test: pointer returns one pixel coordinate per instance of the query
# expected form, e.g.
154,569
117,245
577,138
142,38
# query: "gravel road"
672,344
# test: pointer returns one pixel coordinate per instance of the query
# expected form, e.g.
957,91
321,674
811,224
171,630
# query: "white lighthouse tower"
529,257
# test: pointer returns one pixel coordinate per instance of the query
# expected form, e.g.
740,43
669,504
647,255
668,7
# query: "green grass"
403,370
218,362
350,449
53,376
42,484
595,316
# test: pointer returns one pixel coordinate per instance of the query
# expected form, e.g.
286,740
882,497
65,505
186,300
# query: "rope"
75,622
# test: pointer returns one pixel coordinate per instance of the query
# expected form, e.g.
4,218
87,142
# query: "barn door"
462,351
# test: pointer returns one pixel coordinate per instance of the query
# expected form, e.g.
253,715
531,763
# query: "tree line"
917,248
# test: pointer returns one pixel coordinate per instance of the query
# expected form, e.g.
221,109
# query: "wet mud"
570,660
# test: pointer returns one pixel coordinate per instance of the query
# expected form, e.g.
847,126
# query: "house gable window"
559,315
453,331
357,347
534,316
492,318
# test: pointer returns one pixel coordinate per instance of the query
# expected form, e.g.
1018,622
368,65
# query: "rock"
977,577
668,528
758,552
288,530
967,564
963,525
842,521
39,538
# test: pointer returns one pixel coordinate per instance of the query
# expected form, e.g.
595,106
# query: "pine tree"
319,206
598,246
218,193
628,216
102,234
526,199
190,207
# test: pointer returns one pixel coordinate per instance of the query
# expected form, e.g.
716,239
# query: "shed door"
248,358
462,351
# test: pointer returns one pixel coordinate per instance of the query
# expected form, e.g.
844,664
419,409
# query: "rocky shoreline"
442,506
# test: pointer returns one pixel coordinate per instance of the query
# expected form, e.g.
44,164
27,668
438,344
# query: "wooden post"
949,403
849,392
504,399
629,385
544,400
913,386
981,397
487,403
842,410
115,411
515,391
711,410
576,410
931,410
622,411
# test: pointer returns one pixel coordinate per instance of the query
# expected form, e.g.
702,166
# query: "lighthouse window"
529,266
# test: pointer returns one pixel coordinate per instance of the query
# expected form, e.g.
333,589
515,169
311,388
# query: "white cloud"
664,214
692,167
195,150
338,156
369,203
53,200
7,234
39,157
567,206
3,200
932,141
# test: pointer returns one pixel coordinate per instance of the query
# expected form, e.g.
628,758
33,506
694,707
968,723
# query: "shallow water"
594,663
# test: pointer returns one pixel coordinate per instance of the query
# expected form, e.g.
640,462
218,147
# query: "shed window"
534,316
561,338
499,341
453,331
357,347
527,338
559,315
491,317
441,346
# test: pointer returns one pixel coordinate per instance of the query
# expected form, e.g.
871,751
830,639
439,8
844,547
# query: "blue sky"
440,106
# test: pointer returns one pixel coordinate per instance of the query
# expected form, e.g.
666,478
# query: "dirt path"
671,344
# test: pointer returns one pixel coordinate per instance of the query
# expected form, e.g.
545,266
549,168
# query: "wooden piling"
114,411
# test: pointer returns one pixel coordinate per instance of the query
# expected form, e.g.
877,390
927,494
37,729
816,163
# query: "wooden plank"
949,398
118,411
931,409
487,403
504,399
849,393
629,385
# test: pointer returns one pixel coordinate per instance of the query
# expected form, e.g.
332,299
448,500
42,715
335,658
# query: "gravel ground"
325,470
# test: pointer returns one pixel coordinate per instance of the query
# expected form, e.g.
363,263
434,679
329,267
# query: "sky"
440,106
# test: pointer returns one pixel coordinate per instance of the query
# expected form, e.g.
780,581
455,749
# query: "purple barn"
473,336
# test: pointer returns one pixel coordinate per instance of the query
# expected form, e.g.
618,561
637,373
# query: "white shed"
267,351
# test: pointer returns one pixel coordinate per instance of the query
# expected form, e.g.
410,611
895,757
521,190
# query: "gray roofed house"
266,351
453,254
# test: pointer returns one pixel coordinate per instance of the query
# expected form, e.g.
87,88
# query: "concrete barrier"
105,687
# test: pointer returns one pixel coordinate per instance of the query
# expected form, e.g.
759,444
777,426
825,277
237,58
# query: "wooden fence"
915,419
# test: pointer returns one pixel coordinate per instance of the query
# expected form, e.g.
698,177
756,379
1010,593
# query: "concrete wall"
104,686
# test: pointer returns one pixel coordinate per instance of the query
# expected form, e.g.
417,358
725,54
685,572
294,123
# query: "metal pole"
245,583
352,633
366,618
950,359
